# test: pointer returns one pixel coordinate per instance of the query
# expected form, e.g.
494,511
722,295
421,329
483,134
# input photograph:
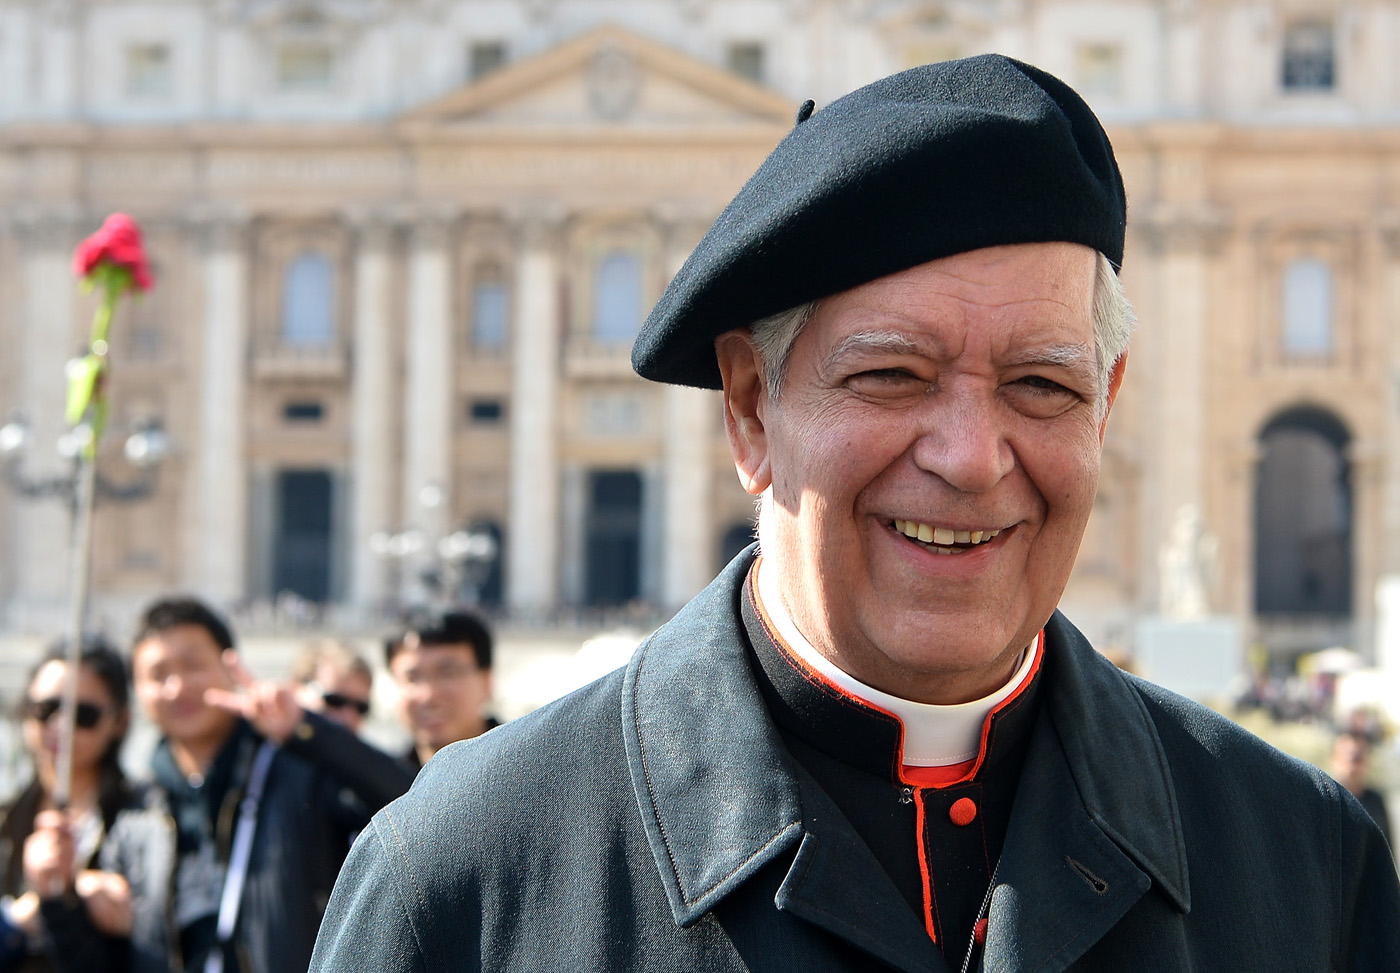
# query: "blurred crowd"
221,857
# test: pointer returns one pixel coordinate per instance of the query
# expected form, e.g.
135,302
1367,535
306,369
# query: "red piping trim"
930,902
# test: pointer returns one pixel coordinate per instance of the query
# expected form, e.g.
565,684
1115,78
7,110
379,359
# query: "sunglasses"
42,710
337,701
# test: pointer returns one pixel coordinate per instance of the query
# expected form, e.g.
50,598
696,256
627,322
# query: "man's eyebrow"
874,340
1066,355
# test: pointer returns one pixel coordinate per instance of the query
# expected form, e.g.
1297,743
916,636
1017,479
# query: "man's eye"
876,378
1041,384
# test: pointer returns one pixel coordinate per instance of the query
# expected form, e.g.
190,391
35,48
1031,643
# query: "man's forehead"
416,653
177,640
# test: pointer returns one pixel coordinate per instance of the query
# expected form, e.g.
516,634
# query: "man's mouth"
944,540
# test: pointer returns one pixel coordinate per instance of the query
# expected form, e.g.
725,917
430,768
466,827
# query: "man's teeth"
942,536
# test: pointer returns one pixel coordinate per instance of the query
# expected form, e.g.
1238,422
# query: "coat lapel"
717,798
1095,823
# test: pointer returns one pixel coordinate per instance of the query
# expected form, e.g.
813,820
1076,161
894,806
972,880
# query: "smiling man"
877,745
441,664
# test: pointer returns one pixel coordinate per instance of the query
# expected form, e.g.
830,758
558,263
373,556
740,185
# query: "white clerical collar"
934,736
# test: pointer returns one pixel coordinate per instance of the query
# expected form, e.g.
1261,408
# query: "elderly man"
877,746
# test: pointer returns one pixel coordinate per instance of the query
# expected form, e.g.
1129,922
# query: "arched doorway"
1303,517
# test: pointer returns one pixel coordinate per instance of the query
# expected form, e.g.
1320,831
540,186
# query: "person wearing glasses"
46,855
441,664
333,679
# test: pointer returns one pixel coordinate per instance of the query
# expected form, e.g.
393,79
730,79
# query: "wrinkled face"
340,695
90,742
170,671
929,465
442,693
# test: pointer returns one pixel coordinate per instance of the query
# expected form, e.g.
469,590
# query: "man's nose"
963,442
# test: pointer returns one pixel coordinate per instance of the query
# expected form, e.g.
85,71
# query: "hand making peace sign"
271,707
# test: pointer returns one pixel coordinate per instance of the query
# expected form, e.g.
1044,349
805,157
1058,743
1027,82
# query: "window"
484,57
148,70
308,301
303,412
1309,56
1099,70
745,58
617,298
1307,307
490,310
304,67
486,411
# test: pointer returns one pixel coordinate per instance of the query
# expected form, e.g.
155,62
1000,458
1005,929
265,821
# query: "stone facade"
400,247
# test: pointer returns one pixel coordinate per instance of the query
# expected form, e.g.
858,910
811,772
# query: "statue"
1187,567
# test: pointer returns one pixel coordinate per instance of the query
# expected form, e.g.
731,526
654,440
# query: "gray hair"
1113,319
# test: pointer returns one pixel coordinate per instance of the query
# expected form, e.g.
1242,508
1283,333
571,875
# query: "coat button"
963,812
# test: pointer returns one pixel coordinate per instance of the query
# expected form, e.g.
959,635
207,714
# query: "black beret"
933,161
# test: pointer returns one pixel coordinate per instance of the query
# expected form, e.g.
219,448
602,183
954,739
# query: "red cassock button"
979,932
963,812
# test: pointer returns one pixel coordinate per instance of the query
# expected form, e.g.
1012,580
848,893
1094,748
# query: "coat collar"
719,797
1104,727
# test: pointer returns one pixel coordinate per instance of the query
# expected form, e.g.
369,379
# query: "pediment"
609,77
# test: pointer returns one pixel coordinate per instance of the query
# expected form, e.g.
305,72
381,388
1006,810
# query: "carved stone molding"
219,228
614,83
56,226
683,223
432,227
1196,230
375,227
537,224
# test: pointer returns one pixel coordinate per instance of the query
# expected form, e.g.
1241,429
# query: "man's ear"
745,403
1115,379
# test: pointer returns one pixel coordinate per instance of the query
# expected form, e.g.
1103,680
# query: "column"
688,543
372,455
51,332
533,561
1185,248
217,548
429,405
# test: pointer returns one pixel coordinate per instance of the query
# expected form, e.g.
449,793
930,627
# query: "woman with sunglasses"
333,679
44,854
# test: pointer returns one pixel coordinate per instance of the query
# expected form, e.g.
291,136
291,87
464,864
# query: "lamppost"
146,447
452,567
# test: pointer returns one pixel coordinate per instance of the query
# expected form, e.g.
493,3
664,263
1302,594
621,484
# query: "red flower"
117,243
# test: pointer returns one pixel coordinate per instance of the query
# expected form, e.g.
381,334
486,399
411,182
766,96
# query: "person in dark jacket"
441,664
1350,765
47,878
878,745
239,765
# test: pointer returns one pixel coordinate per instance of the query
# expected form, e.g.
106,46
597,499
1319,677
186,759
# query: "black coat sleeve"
374,777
